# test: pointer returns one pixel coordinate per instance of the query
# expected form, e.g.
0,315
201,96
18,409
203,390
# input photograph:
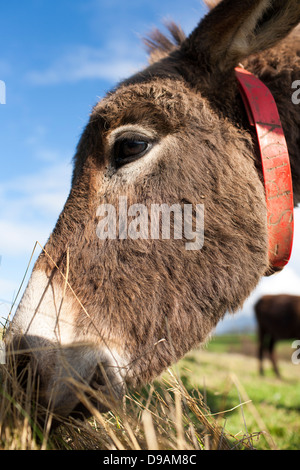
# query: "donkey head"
111,300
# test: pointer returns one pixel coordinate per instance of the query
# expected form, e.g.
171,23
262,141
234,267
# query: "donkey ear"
235,29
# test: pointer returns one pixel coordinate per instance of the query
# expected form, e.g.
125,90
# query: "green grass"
226,373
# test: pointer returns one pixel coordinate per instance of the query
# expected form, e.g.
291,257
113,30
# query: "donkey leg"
273,356
261,351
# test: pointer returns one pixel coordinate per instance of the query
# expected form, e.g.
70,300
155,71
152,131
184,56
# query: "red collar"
263,115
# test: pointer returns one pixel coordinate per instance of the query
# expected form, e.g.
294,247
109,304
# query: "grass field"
226,373
213,399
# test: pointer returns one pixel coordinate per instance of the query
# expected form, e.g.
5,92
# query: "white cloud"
30,205
113,63
17,238
285,282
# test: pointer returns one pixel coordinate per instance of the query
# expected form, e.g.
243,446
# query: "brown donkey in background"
119,311
278,318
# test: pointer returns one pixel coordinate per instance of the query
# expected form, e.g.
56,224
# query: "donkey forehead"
159,104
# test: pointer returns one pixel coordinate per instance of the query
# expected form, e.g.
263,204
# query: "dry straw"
162,416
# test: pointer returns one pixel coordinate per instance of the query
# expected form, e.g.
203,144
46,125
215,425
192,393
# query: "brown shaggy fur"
153,298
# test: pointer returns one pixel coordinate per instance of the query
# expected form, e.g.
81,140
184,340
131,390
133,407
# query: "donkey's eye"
128,150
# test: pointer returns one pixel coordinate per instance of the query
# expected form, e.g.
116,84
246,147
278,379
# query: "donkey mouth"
101,395
76,380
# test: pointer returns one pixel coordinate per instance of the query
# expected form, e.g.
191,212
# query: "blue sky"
57,59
